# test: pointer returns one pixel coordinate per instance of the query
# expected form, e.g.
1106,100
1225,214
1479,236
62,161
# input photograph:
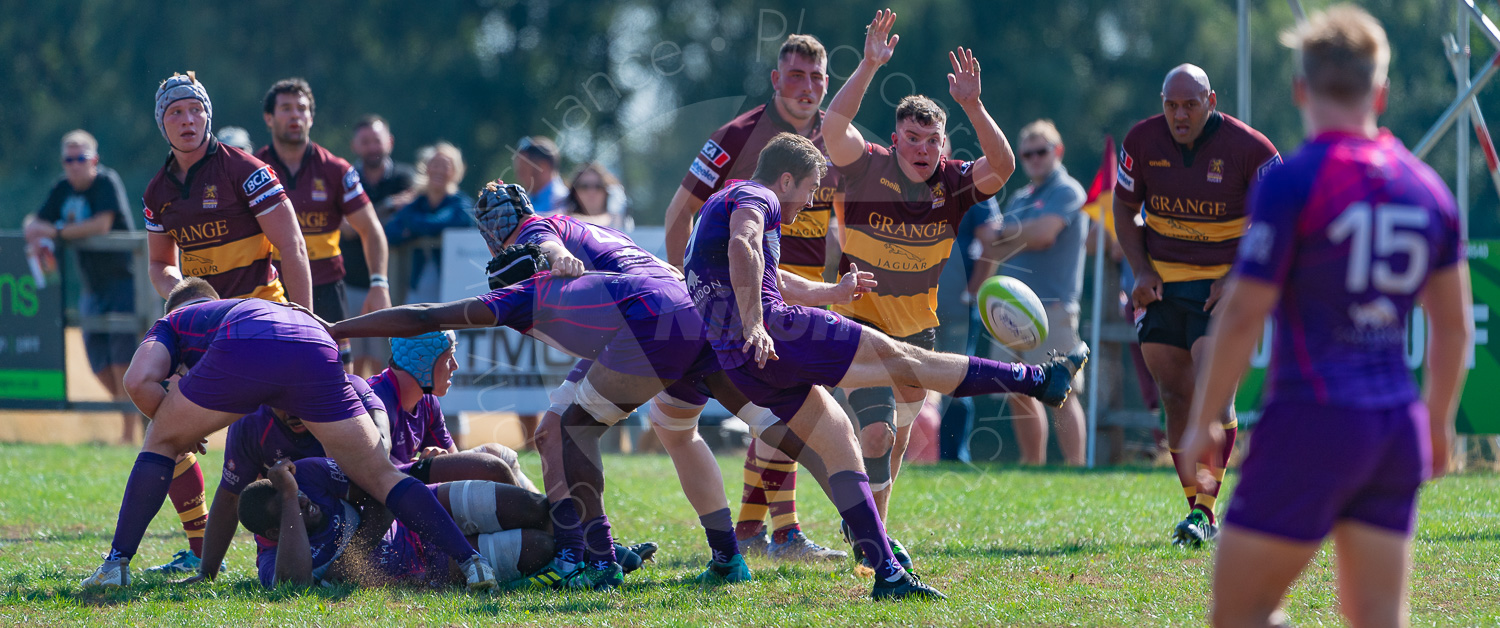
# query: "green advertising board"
32,350
1477,410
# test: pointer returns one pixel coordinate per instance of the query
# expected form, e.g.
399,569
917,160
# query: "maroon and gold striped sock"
753,504
780,481
1207,500
187,497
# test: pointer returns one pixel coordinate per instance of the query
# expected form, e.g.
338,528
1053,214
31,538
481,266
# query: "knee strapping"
907,411
473,506
668,412
592,401
758,418
503,549
879,470
562,397
873,405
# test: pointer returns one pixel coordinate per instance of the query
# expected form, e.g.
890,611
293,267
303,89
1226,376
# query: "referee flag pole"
1100,208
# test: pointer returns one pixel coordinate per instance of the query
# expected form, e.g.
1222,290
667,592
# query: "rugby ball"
1012,313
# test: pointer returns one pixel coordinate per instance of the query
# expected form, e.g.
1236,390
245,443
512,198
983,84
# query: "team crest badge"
939,197
319,191
210,196
1216,171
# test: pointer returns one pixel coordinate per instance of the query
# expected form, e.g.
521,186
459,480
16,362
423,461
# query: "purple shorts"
305,379
1312,465
814,348
665,347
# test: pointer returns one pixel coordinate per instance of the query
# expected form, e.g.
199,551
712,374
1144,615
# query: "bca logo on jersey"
715,154
335,472
1275,160
258,179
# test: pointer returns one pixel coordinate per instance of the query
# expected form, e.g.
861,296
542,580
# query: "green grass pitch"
1009,546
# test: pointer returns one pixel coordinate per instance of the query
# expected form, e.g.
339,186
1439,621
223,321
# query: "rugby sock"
567,531
421,512
851,495
987,377
780,480
144,492
720,531
601,545
1207,500
187,497
753,506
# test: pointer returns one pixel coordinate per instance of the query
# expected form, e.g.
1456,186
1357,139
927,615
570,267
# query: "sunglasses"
1036,153
84,158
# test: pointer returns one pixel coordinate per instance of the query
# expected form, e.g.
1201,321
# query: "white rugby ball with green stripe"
1012,313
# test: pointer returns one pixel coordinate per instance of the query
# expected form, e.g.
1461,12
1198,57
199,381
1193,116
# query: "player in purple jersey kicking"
313,525
780,356
240,354
1345,239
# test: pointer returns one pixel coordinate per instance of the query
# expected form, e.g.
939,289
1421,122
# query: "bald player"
1345,240
1179,213
800,82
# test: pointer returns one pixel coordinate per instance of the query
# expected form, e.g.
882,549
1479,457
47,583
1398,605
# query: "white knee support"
603,410
562,397
503,549
671,419
907,411
757,418
473,506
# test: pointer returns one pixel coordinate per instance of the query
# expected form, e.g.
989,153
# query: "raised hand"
963,83
854,284
879,43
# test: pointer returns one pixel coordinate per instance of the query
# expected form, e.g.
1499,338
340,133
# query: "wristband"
379,281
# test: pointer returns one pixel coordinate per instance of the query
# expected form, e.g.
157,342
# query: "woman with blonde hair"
438,206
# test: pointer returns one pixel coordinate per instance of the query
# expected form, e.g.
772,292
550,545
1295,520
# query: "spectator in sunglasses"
595,196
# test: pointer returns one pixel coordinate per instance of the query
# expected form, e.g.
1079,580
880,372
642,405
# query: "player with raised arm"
902,208
241,354
1184,176
1345,239
781,356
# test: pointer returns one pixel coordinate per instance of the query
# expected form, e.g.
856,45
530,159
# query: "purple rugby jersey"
707,265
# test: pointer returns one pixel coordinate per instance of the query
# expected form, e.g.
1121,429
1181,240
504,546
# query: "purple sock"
601,546
720,529
567,531
145,492
419,510
987,377
851,495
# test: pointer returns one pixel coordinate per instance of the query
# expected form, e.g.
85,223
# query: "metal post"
1461,188
1481,129
1446,120
1100,252
1242,107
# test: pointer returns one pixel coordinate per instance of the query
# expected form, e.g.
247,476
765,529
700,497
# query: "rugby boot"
479,575
862,560
598,576
1057,375
1194,531
731,572
899,550
756,545
909,585
113,574
184,563
798,547
549,577
631,558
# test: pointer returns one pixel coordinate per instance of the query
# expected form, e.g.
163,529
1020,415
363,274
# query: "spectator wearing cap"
89,200
535,161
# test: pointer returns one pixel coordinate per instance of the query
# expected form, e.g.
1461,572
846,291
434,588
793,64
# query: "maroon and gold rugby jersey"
903,232
324,190
211,214
1193,201
732,152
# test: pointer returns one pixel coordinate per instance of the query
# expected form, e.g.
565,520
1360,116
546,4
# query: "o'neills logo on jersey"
1216,171
319,191
210,196
906,230
1187,207
193,234
939,197
888,183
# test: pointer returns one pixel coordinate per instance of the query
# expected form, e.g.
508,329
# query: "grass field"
1009,546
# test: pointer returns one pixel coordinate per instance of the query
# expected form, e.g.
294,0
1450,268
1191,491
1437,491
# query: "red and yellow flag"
1101,201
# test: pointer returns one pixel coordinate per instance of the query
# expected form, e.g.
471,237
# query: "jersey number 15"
1376,235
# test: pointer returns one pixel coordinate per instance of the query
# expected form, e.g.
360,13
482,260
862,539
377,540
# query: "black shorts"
1178,319
329,301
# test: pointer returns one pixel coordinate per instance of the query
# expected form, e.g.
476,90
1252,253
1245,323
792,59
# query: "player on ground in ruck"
780,356
325,191
214,212
1185,173
240,354
902,208
1344,240
800,81
573,246
313,526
